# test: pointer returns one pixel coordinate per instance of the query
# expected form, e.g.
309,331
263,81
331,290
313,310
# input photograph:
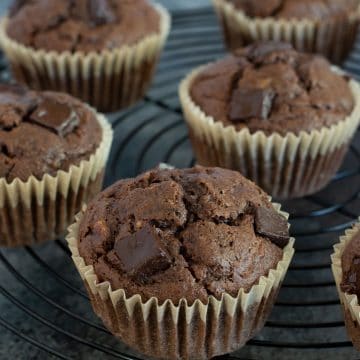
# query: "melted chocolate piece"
142,253
351,282
56,116
269,223
101,12
250,103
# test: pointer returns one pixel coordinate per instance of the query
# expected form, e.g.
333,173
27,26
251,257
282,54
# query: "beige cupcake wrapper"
183,331
333,38
108,80
39,210
349,302
284,166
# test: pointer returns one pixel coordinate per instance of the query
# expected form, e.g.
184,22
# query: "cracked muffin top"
188,233
271,87
81,25
43,132
350,262
317,10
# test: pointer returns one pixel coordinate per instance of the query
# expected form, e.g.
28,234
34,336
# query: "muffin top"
271,87
350,262
297,9
81,25
43,132
175,234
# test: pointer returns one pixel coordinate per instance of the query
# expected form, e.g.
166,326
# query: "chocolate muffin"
42,133
269,92
272,88
94,49
189,236
346,269
297,9
42,136
79,25
175,234
328,27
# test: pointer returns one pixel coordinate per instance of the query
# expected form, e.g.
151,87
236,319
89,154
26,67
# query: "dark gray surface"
3,5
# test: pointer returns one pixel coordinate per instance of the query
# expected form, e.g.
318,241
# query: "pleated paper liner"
350,303
183,331
334,38
38,210
284,166
109,80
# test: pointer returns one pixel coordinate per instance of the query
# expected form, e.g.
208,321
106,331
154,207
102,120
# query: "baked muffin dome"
175,234
81,25
273,88
43,132
296,9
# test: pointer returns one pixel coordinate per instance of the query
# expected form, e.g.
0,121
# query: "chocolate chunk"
142,253
101,12
269,223
251,103
55,116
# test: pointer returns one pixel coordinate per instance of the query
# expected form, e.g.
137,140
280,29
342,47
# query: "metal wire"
157,120
31,340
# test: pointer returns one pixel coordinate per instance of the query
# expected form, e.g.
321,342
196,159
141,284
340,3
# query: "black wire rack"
44,310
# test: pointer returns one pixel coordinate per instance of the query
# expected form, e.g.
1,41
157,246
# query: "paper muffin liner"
350,303
183,331
109,80
38,210
284,166
333,38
